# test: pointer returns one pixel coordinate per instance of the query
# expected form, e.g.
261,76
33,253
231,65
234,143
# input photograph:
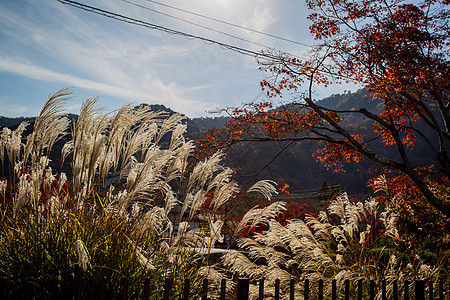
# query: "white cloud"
57,43
154,92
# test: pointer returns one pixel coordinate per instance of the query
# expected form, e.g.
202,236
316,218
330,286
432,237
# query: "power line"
138,22
195,24
133,21
228,23
149,25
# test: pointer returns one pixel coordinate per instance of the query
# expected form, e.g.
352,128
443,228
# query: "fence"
417,290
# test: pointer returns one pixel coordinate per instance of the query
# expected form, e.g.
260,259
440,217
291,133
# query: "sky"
46,46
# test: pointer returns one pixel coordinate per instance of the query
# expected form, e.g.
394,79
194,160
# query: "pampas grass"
113,216
340,243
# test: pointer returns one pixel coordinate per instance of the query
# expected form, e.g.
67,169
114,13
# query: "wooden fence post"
347,289
186,289
125,288
372,290
306,289
166,289
235,280
430,290
223,288
292,289
406,290
261,289
205,289
5,287
243,287
54,288
103,285
277,289
419,290
320,289
395,290
146,289
333,290
360,289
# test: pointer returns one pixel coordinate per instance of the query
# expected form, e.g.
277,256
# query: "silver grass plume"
25,189
168,125
199,199
238,262
260,216
4,142
389,219
186,203
215,232
66,150
264,187
49,126
88,144
223,194
177,138
170,201
221,178
84,259
11,141
380,184
3,185
204,171
144,261
151,222
305,245
320,225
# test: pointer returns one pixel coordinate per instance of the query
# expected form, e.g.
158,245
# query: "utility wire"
148,25
228,23
133,21
195,24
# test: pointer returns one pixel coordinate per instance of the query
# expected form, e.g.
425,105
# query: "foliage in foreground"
350,240
114,216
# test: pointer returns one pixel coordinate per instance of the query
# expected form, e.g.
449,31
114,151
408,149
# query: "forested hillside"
295,165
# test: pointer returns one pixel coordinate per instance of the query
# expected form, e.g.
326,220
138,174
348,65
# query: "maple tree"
398,51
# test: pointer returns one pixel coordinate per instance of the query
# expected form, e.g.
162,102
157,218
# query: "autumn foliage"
399,52
417,221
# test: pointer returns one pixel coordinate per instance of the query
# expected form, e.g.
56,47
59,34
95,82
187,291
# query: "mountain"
305,176
295,165
11,122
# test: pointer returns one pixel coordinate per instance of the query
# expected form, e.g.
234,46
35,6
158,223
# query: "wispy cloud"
56,43
154,92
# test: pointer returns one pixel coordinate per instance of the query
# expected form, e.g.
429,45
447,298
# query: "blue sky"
46,46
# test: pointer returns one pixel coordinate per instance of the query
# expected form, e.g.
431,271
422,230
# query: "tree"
398,51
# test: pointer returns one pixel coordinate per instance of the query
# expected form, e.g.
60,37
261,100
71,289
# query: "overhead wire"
134,21
149,25
227,23
195,24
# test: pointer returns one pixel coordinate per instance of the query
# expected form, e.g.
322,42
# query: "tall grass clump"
350,240
112,215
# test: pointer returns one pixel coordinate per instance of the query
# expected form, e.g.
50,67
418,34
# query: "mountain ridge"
295,166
